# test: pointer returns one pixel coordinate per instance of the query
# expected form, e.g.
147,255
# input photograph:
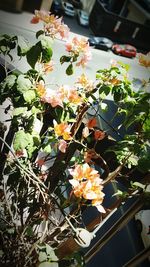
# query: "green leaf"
29,96
143,164
19,111
23,83
23,46
118,193
10,81
64,59
34,54
22,140
69,70
46,42
104,106
104,89
137,184
42,256
46,55
29,231
39,33
49,249
11,230
35,110
47,149
46,48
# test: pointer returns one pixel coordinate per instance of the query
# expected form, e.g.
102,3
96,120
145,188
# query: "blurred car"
77,4
102,43
83,17
68,9
56,8
124,50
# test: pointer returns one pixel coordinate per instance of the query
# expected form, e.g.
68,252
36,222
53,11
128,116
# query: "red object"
124,50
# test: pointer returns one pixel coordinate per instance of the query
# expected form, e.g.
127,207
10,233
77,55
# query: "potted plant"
55,159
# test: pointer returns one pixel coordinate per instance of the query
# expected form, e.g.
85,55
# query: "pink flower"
113,62
99,135
62,146
48,67
52,24
52,98
85,132
84,59
64,31
69,47
79,48
98,204
73,96
42,15
144,60
70,95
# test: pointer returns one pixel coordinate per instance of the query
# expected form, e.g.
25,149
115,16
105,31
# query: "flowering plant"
55,158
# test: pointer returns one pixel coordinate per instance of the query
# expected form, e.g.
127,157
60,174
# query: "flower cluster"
90,125
78,47
85,83
62,129
64,94
87,184
70,95
52,24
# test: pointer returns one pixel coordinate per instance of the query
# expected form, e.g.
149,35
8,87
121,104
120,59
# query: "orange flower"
87,84
144,60
114,81
81,172
41,88
41,15
89,155
91,123
62,129
78,187
74,97
91,191
99,135
70,95
83,80
77,173
87,184
48,67
35,20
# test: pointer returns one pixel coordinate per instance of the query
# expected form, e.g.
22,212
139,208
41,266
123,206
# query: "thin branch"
27,172
8,205
115,173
